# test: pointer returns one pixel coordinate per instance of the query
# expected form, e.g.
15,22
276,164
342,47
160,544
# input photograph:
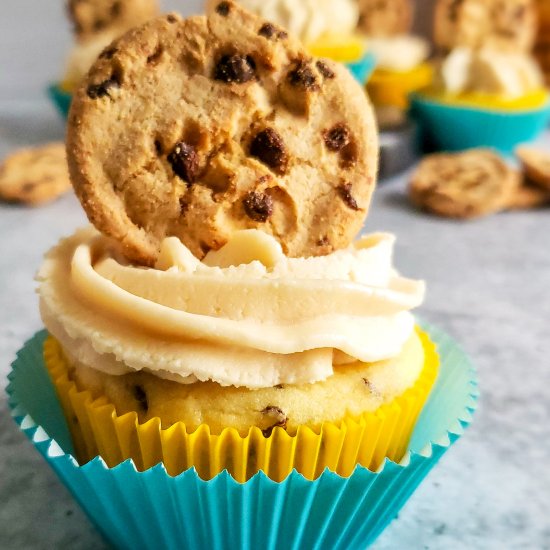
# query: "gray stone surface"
488,285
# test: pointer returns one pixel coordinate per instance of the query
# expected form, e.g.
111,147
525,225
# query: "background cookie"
90,17
536,165
528,196
35,175
463,185
198,128
385,17
509,25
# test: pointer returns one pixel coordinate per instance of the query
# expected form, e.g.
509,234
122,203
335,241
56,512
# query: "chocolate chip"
184,206
141,397
108,53
278,415
348,155
268,147
235,68
99,24
344,191
301,76
185,162
337,137
258,206
116,9
171,18
96,91
323,241
223,8
325,70
158,147
269,30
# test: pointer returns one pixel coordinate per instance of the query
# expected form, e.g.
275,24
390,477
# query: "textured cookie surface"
35,175
536,165
90,17
353,389
385,17
463,185
508,25
200,127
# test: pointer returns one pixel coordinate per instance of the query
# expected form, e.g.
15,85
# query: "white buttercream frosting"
399,53
488,71
308,19
246,315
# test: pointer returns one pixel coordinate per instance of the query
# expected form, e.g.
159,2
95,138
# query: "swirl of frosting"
488,71
246,315
307,19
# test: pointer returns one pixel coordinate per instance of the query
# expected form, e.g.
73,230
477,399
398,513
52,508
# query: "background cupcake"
489,88
400,57
96,23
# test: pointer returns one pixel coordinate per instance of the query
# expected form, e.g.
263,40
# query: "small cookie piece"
385,17
200,127
536,165
528,196
506,25
35,175
463,185
90,17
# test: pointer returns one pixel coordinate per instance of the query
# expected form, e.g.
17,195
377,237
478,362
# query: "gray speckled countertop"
488,286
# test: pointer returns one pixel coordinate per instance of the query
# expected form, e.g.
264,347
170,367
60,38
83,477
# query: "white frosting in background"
399,53
489,71
308,19
246,316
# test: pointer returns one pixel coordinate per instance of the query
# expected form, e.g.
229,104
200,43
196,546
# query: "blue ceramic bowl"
60,98
447,127
363,68
188,512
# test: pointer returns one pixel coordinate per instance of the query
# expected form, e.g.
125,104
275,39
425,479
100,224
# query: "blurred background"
46,35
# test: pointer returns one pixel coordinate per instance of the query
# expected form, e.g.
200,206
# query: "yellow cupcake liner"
367,440
532,100
343,48
392,88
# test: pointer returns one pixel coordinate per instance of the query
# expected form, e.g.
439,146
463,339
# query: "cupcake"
96,23
327,28
488,88
401,58
221,335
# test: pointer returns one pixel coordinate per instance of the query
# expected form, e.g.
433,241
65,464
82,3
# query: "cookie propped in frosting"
198,128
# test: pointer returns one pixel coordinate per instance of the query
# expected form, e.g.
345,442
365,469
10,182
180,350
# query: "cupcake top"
399,53
227,173
487,71
308,20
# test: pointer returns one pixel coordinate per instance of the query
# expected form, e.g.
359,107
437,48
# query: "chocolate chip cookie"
35,175
463,185
200,127
90,17
508,25
385,17
536,165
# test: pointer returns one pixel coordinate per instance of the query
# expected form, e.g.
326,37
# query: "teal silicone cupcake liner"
363,69
447,127
60,98
149,510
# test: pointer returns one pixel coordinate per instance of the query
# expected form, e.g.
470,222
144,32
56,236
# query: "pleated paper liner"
61,98
151,509
97,429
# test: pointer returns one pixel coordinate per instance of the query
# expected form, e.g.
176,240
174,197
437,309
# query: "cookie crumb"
185,162
325,70
337,137
235,68
344,191
268,147
258,206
